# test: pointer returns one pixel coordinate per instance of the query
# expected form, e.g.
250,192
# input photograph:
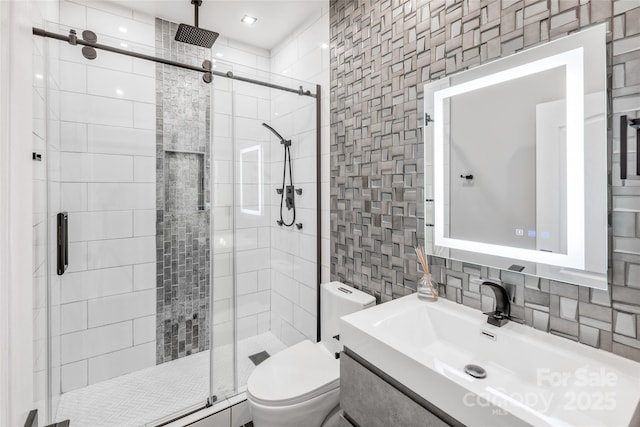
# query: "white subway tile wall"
107,180
300,56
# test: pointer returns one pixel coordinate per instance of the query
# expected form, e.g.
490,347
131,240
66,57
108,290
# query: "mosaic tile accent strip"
183,170
382,53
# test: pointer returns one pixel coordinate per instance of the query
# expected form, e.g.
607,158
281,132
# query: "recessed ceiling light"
122,29
249,20
219,55
119,92
124,45
39,76
324,45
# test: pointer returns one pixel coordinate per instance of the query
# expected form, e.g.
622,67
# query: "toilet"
300,386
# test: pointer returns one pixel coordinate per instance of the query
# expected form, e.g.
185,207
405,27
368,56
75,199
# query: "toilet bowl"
300,386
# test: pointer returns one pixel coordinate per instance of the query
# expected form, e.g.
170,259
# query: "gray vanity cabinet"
367,399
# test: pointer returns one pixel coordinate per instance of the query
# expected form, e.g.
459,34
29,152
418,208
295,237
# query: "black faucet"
502,313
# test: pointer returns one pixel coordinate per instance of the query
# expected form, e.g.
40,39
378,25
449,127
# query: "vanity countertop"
533,377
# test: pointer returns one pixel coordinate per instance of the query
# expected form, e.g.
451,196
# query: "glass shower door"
252,218
223,348
265,281
131,316
180,279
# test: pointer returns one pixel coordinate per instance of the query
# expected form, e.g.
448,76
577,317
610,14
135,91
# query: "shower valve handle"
290,199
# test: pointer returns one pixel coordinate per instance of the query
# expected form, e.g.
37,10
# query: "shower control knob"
299,226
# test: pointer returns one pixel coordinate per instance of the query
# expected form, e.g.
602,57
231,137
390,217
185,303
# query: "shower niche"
184,189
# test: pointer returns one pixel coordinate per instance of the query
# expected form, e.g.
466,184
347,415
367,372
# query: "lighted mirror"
516,162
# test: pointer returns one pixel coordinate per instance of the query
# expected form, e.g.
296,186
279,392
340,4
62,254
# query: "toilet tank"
337,300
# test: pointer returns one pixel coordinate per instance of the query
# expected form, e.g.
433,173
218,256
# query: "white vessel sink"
533,378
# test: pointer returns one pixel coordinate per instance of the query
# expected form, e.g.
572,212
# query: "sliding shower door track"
175,417
228,75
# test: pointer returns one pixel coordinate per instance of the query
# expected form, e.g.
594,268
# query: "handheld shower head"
286,191
282,140
195,35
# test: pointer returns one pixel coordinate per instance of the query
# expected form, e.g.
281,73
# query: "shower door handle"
63,242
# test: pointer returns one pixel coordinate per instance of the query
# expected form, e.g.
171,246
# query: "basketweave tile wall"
382,52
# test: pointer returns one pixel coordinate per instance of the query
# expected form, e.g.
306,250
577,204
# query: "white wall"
16,266
5,317
108,185
303,56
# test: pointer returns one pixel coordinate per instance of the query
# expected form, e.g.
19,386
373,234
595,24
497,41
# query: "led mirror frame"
573,61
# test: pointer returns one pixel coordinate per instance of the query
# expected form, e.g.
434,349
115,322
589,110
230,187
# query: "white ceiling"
276,18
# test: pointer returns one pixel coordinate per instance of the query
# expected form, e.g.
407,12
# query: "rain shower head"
193,34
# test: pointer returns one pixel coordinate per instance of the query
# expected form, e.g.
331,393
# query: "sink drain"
475,371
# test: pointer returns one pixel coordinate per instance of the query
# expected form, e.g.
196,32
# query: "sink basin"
533,377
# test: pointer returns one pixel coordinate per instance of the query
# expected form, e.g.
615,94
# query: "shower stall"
170,274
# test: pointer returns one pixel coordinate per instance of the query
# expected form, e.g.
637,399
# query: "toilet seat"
297,374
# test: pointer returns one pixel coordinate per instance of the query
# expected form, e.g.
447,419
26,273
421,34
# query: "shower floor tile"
141,397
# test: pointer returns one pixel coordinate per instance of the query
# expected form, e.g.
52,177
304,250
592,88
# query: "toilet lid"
294,375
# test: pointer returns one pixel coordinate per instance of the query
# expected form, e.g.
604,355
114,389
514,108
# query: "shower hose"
287,160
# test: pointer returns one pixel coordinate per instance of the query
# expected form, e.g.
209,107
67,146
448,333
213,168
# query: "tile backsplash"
589,316
382,53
